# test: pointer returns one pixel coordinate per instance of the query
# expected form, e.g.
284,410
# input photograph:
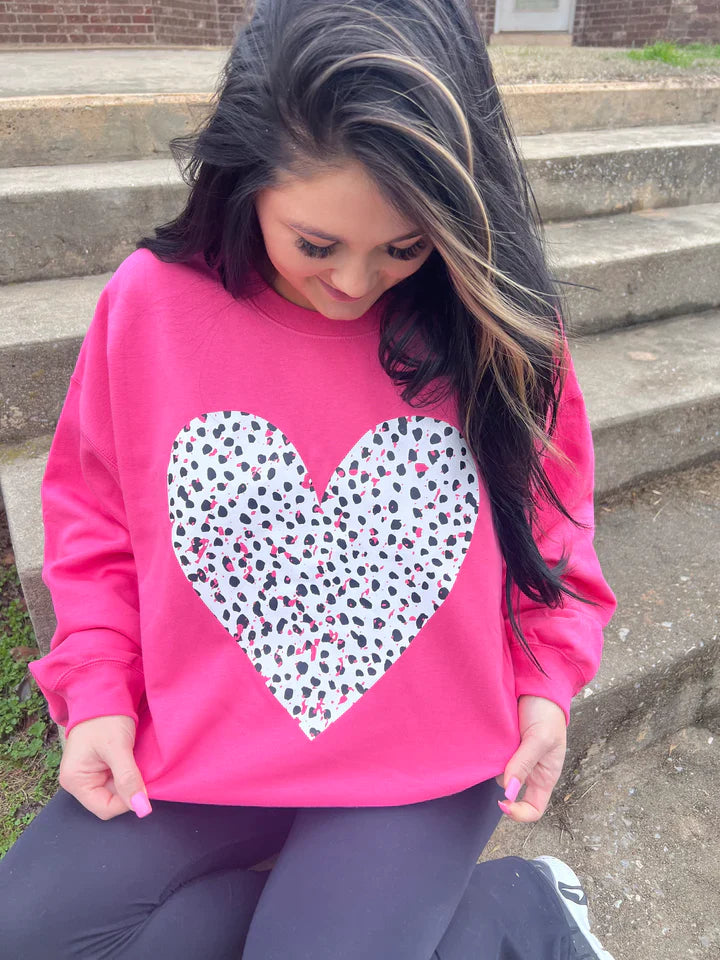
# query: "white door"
533,15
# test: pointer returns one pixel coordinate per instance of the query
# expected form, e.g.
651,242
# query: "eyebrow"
304,228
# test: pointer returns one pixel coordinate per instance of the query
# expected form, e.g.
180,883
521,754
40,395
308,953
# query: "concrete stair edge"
646,268
94,209
79,128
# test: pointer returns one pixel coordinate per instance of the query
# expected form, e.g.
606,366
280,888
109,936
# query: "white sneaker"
573,899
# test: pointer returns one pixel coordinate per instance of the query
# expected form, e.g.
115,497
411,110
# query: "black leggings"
350,883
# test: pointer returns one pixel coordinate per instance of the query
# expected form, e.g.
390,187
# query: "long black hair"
406,88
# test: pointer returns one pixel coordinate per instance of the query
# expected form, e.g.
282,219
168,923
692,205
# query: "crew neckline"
310,322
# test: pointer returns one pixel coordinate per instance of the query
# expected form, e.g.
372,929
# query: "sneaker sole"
557,872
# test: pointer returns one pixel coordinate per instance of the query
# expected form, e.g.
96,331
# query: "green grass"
30,750
677,55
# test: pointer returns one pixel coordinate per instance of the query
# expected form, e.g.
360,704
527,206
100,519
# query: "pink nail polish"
504,807
511,791
140,804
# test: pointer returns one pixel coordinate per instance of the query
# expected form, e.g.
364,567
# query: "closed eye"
398,253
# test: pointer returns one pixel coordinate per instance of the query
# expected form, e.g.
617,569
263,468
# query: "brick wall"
215,22
628,23
186,22
83,22
230,17
484,11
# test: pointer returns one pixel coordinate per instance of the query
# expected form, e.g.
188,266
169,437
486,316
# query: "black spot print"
309,585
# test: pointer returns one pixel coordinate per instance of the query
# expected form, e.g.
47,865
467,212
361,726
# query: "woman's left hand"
539,759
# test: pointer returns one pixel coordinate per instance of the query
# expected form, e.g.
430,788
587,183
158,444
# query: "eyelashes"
409,253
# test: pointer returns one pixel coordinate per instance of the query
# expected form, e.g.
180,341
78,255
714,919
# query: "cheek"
287,259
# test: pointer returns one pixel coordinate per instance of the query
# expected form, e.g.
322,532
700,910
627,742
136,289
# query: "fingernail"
140,804
511,791
504,807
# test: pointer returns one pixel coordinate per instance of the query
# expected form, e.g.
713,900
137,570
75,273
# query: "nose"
352,285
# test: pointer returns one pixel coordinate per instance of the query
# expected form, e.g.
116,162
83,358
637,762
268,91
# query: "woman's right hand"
98,765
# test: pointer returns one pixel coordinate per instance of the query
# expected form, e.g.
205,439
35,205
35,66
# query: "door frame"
531,20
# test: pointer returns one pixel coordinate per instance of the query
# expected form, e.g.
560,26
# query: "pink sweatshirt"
287,576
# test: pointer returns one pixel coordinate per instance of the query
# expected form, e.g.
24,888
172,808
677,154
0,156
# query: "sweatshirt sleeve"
566,640
94,667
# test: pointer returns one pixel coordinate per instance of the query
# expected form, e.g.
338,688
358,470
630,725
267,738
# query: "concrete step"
563,107
88,124
594,172
40,131
652,393
42,325
81,219
639,266
611,171
635,812
644,265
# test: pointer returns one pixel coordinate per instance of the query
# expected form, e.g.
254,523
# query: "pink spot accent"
417,531
203,548
273,551
268,433
353,472
306,483
421,467
338,521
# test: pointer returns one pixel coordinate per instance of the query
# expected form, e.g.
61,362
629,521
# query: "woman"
318,531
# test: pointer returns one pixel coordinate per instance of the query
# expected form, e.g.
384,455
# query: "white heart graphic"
323,595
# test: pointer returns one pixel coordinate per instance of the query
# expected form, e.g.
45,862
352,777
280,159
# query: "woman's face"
337,229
